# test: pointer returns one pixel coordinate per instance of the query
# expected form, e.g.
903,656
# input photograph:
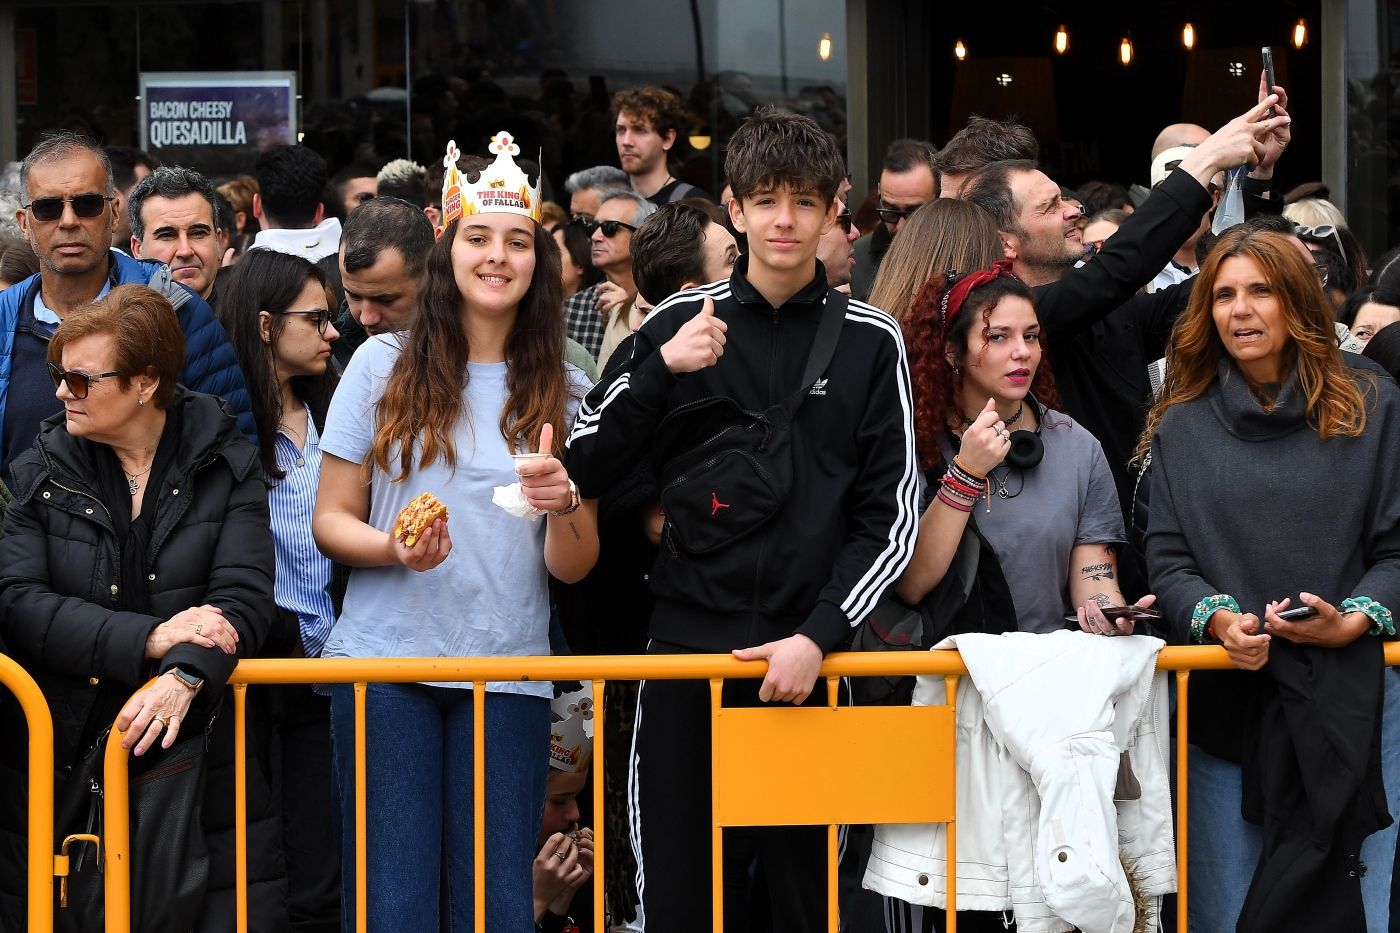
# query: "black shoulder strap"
823,347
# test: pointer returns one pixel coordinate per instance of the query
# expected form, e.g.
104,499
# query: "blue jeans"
1225,849
419,792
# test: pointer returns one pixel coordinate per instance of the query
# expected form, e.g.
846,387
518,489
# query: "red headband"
956,295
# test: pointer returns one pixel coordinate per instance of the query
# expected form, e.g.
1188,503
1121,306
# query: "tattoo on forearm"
1102,599
574,529
1097,571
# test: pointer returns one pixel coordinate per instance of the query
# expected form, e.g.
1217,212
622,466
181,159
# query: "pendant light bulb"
1188,36
960,51
1062,40
1125,51
1300,34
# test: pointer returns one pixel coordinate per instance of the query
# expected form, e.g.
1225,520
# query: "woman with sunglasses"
1032,484
277,311
136,547
446,408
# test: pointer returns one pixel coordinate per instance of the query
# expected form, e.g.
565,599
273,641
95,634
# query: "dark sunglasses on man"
846,222
322,318
609,227
893,215
86,206
78,381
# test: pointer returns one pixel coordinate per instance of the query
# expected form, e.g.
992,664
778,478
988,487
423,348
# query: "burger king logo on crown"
502,188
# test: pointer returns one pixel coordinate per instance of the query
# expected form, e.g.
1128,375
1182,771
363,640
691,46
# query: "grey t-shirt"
490,597
1067,500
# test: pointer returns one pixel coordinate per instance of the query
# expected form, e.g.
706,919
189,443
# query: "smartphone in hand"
1269,82
1297,615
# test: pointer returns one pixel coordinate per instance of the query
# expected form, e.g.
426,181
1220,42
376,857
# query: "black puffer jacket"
59,569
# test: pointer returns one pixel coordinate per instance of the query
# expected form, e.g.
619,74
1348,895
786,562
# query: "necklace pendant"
1003,493
133,485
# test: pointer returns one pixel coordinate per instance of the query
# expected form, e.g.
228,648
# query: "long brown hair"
1336,407
944,234
423,397
938,380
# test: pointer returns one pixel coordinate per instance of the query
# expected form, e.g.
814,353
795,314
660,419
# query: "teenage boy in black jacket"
789,592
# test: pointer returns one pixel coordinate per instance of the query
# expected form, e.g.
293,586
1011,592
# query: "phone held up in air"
1269,81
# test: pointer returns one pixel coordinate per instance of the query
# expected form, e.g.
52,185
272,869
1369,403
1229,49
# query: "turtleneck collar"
1243,415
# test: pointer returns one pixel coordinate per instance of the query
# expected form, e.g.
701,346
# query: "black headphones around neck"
1027,449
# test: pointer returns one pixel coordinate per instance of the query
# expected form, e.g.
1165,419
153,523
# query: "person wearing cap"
477,382
1174,144
565,860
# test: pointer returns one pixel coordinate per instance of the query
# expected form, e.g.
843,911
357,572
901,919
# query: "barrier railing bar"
716,830
599,803
361,829
40,856
116,847
240,802
479,798
1182,742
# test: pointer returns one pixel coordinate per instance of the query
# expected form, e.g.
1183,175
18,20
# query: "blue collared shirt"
303,572
44,315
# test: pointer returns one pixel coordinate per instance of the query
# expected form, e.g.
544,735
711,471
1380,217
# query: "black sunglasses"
893,215
846,222
86,206
78,381
323,318
609,227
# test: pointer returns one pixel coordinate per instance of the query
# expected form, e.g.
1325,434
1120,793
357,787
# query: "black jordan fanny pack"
735,480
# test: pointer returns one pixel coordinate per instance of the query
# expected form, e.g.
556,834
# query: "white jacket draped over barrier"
1061,779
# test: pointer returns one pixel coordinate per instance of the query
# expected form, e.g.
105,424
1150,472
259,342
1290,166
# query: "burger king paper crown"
571,734
502,188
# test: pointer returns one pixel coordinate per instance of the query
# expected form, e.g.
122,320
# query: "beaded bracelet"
1382,622
1200,616
946,499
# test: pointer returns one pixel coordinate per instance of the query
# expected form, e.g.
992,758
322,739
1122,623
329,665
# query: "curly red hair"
937,386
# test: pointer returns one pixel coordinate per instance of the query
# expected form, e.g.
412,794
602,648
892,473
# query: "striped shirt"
303,573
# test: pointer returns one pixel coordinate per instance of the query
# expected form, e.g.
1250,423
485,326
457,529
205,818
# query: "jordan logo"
716,505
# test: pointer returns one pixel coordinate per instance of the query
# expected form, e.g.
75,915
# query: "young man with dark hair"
648,122
383,250
906,184
291,181
354,185
680,247
175,219
978,145
789,591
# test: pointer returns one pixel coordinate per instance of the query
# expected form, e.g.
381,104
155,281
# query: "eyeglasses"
893,215
844,219
1320,234
87,206
323,318
1321,270
583,220
609,227
78,381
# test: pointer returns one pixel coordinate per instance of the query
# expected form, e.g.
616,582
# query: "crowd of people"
656,421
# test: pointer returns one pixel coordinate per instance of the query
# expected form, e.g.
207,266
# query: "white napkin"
513,501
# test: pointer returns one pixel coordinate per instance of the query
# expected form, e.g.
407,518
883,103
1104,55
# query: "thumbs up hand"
543,480
698,344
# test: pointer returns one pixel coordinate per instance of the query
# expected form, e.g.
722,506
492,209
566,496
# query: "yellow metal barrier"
754,751
43,864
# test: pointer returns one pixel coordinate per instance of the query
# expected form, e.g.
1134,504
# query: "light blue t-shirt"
490,598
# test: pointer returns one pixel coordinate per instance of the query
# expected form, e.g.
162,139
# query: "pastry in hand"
417,517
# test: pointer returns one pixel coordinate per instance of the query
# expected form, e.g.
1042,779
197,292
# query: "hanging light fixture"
1300,34
1125,51
1188,36
959,50
1062,40
824,47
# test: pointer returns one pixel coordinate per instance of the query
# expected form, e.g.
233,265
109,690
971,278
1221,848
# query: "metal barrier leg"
950,696
599,803
717,832
116,814
361,826
41,859
479,799
833,861
240,802
1182,875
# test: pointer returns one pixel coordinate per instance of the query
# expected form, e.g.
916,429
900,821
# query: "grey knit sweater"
1255,505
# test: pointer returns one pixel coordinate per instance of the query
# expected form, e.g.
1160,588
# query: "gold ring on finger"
157,719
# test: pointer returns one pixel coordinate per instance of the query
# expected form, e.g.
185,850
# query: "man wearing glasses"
906,184
68,218
597,317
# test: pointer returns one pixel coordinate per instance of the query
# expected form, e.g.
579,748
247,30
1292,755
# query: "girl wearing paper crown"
451,407
1029,483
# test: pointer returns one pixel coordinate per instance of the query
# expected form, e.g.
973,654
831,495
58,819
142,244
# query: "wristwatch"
573,505
193,681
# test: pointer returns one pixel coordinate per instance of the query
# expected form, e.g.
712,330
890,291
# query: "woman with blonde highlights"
942,236
1273,491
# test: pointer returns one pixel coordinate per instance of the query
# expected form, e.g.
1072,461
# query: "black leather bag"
169,855
737,477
